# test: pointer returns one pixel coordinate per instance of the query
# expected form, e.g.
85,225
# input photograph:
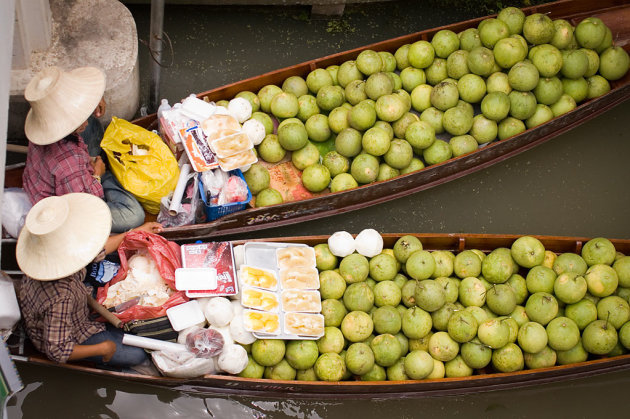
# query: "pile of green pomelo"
408,313
377,117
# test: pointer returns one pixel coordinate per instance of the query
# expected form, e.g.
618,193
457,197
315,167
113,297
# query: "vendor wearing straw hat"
58,159
58,240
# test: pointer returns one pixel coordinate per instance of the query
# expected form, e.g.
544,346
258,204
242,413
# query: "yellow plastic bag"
141,161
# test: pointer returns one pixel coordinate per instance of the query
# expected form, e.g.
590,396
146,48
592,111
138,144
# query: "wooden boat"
615,13
482,381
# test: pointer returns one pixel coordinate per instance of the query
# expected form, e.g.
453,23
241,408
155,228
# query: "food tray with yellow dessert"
280,286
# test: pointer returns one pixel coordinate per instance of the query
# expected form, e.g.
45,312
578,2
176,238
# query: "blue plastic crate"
217,211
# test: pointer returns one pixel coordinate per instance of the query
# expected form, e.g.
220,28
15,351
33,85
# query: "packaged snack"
216,123
231,144
301,300
261,322
295,257
238,160
304,324
299,278
260,299
257,277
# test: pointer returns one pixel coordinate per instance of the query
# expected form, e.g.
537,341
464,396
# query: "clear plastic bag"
15,206
235,190
182,364
191,209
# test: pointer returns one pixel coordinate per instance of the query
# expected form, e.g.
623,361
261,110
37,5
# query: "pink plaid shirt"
59,168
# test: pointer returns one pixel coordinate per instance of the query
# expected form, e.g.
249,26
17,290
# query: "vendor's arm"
73,174
114,240
106,349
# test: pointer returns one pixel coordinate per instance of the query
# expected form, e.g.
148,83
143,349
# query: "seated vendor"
60,237
64,107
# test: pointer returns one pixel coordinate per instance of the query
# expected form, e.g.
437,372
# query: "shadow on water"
82,396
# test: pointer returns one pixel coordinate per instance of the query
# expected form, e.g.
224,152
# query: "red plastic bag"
167,256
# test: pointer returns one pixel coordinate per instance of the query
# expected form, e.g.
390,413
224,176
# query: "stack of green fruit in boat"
387,114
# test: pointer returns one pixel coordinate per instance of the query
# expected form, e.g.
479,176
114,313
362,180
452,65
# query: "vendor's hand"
98,165
100,108
108,349
150,227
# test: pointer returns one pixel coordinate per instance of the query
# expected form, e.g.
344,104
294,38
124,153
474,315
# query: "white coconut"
181,338
222,110
238,332
233,360
237,308
240,109
255,130
369,243
227,336
218,311
341,244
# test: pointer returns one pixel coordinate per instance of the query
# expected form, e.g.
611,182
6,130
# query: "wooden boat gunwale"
374,193
224,384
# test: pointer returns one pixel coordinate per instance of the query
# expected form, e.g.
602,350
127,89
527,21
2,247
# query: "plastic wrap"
15,206
182,364
235,190
190,210
205,343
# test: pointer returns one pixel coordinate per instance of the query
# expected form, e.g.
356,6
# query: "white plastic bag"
182,364
15,206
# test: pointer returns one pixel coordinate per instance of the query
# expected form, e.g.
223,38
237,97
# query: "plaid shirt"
56,313
59,168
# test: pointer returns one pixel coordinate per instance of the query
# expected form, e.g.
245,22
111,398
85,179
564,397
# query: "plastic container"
164,106
217,211
9,308
185,315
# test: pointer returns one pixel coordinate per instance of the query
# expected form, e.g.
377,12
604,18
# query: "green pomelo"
599,337
475,354
466,264
348,72
257,178
590,33
544,359
364,168
563,34
457,367
377,85
480,61
495,106
494,333
574,63
359,358
492,31
253,369
390,107
336,163
570,287
281,371
330,366
307,107
538,29
252,98
444,96
548,60
362,116
405,246
268,352
418,365
332,341
355,92
387,319
457,121
548,90
472,292
513,17
330,97
437,152
354,268
429,295
357,326
292,136
563,333
415,165
523,76
469,39
532,337
317,79
509,51
527,251
268,197
301,354
383,267
444,43
332,285
266,94
462,326
387,293
375,141
573,355
570,262
386,349
463,144
399,154
542,114
597,86
601,280
359,297
598,251
333,70
270,149
386,172
622,267
316,177
471,88
501,299
420,135
348,142
442,347
576,88
296,85
498,266
498,82
519,286
369,62
614,309
305,157
541,307
420,54
401,57
389,61
483,129
434,117
416,323
510,127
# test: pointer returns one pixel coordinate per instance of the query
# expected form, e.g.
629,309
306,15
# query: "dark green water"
574,185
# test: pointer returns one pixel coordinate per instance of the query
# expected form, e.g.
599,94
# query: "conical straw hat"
61,101
62,234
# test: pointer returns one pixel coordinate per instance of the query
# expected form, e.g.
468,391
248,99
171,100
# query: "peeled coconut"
218,311
238,332
240,108
237,308
222,110
227,336
369,242
255,130
181,338
341,244
233,359
203,302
